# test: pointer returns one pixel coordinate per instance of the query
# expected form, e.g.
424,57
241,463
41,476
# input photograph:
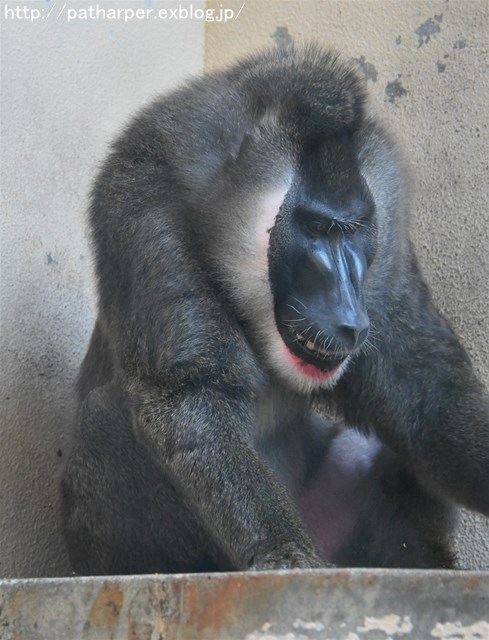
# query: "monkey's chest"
281,429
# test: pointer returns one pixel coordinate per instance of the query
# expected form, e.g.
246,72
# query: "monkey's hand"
288,556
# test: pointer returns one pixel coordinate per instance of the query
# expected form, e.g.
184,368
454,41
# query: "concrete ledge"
284,605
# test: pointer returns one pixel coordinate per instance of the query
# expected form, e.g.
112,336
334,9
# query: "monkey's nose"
353,336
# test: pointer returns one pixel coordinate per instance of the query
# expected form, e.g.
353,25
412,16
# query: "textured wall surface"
67,87
427,68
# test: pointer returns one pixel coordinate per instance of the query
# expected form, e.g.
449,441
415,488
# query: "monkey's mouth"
308,353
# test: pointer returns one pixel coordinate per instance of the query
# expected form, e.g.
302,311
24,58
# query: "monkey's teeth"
311,346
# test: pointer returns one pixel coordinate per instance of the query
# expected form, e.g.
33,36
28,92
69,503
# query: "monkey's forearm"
197,439
420,394
451,457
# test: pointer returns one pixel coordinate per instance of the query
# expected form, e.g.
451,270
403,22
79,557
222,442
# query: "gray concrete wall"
427,65
66,89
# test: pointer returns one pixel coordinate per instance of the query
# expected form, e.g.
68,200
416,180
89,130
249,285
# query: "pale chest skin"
325,466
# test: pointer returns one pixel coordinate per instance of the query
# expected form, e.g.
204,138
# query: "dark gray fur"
190,449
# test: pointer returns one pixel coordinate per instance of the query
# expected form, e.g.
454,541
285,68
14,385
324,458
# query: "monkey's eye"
317,227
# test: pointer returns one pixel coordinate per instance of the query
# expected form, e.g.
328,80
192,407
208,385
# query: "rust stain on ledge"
340,604
107,606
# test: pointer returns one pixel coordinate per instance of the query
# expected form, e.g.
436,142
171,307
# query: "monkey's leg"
121,515
363,508
418,392
400,525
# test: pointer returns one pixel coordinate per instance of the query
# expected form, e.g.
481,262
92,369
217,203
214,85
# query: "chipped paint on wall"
428,29
51,260
394,90
282,37
367,68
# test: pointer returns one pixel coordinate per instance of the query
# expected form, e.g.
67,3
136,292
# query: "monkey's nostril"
353,336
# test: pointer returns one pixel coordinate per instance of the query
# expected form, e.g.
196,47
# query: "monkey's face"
320,245
318,260
299,279
320,248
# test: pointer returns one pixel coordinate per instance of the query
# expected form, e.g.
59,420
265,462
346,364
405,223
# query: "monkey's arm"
196,435
192,380
416,388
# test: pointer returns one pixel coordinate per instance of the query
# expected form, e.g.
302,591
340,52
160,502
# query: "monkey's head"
301,199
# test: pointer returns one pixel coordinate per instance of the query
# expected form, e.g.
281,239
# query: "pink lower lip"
309,369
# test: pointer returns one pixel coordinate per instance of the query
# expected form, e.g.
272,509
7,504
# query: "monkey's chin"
310,370
305,376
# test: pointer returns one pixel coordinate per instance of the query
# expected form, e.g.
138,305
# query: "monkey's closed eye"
317,227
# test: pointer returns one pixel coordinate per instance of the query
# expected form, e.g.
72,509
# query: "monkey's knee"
400,526
363,508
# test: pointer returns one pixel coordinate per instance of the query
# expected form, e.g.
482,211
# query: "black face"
321,245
